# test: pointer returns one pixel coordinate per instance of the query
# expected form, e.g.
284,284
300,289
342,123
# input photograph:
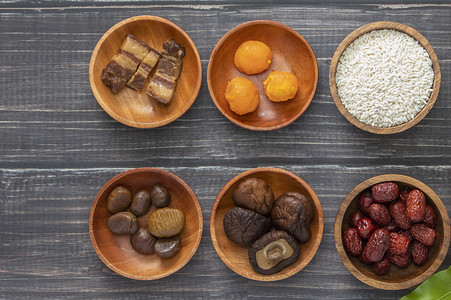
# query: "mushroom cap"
277,237
244,226
254,194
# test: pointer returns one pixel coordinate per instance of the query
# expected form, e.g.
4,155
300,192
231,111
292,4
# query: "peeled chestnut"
293,212
167,247
141,203
166,222
123,222
254,194
244,226
142,241
273,252
118,199
160,196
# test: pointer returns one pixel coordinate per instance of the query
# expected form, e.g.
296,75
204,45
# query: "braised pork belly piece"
138,79
163,83
124,64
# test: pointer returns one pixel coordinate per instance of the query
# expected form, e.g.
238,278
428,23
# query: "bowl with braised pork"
145,72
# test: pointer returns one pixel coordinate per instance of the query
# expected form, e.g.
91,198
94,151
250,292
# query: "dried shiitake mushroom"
254,194
273,252
293,212
244,226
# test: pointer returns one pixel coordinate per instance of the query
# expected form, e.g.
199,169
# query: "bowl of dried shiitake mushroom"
145,223
266,224
392,231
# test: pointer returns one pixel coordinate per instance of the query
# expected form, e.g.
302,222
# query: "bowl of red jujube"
392,232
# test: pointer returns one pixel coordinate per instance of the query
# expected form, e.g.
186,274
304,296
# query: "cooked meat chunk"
124,64
139,78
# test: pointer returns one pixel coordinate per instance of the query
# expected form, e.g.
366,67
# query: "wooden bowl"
134,108
377,26
291,53
115,250
236,256
397,278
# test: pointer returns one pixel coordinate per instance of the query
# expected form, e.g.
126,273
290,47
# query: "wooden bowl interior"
116,251
236,256
134,108
291,53
378,26
397,278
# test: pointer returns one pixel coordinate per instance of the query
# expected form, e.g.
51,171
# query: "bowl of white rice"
384,77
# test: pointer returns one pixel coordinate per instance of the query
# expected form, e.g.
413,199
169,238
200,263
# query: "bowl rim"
277,276
339,224
112,182
221,42
105,106
379,26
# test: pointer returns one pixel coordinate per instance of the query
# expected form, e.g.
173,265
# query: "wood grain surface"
58,147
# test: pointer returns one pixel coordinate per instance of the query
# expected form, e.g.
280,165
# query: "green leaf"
436,287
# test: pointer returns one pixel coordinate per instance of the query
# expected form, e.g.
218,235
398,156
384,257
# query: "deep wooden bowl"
377,26
236,256
115,250
397,278
135,108
291,53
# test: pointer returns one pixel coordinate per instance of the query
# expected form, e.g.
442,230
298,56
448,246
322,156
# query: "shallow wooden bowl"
236,256
397,278
377,26
135,108
115,250
291,53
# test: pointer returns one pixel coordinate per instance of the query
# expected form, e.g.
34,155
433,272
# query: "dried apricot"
280,86
252,57
242,95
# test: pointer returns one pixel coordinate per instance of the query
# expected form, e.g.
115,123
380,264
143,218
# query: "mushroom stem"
275,254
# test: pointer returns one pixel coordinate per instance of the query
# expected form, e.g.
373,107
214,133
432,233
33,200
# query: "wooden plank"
58,147
45,239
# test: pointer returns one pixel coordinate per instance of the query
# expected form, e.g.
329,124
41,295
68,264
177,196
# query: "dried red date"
380,214
404,194
352,241
398,212
382,267
365,228
399,260
406,233
385,192
430,218
365,200
416,206
377,246
399,244
354,218
419,253
424,234
392,226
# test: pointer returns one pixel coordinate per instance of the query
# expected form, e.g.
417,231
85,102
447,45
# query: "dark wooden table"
58,147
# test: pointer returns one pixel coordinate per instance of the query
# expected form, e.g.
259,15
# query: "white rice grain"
384,78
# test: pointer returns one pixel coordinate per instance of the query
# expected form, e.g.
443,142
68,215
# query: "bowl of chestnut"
266,224
392,232
145,223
